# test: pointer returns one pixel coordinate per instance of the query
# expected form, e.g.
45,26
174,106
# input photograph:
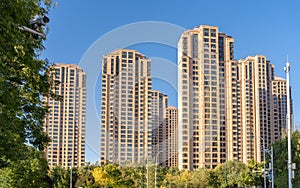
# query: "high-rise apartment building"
203,54
255,76
66,121
172,136
227,108
126,122
279,94
160,141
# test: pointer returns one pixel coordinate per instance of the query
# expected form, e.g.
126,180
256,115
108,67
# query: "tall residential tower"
279,94
126,127
203,54
172,136
65,123
160,141
227,108
255,75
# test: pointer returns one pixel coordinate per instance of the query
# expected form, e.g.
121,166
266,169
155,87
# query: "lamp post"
272,165
70,176
288,121
147,172
156,165
264,155
265,180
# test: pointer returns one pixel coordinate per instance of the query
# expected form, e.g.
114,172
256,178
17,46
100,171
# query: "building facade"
203,54
255,76
66,121
279,94
159,114
172,136
126,119
227,108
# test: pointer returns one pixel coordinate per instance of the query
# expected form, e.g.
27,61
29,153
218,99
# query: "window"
213,32
206,32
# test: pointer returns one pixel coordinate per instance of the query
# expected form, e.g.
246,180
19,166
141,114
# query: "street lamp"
270,152
288,122
265,180
70,176
147,172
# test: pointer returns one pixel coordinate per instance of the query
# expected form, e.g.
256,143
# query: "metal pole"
155,169
31,31
225,173
288,119
70,176
156,166
147,172
265,180
272,162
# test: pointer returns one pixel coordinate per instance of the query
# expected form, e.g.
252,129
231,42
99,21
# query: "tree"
280,160
175,178
85,176
23,81
200,178
134,176
253,175
60,177
234,173
171,177
29,172
106,176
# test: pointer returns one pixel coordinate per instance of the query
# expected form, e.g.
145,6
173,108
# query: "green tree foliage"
253,173
280,149
81,177
60,177
200,178
135,175
175,178
171,177
234,173
85,176
112,175
229,174
22,80
29,172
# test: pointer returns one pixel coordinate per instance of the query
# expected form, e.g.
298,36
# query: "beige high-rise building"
66,122
255,77
203,54
126,127
225,106
172,136
160,141
279,93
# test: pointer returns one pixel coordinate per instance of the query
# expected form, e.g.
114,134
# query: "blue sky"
267,27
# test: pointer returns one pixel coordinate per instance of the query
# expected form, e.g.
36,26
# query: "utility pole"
71,177
264,149
272,162
156,163
147,172
288,120
271,166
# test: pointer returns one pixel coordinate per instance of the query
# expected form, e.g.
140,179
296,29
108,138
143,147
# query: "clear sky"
82,31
